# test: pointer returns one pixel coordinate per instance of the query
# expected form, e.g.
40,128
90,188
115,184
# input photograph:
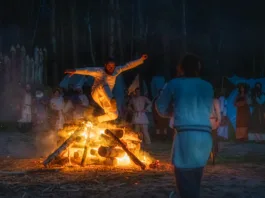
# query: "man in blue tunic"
192,99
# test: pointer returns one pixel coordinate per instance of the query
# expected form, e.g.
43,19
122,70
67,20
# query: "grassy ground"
239,172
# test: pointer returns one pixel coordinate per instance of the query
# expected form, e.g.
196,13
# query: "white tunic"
139,106
103,85
102,78
223,129
26,108
58,105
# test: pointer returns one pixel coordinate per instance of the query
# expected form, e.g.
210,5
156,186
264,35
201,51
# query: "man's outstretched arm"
132,64
87,71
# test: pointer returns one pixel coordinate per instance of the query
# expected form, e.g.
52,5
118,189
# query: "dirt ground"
238,173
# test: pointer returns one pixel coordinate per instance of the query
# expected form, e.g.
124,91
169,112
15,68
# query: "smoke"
45,141
10,100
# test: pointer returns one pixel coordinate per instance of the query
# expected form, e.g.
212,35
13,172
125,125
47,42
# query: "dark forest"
230,37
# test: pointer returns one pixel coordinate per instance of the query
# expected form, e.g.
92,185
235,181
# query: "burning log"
61,161
129,153
107,140
118,132
58,152
85,152
93,152
76,155
110,152
95,162
111,162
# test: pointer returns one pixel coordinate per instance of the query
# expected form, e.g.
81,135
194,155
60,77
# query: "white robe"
139,106
58,105
223,129
103,86
26,109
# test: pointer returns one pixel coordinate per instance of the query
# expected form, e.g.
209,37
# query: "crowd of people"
65,105
186,104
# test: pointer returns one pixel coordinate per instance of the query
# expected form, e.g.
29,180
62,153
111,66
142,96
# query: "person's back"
192,102
192,99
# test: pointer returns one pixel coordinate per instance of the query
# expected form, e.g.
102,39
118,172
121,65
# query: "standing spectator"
258,118
57,107
242,113
25,122
215,119
140,105
192,100
40,109
223,128
161,123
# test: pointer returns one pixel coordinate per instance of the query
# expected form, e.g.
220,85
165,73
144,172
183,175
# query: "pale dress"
140,105
26,116
57,104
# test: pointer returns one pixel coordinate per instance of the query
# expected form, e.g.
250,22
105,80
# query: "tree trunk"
132,31
90,40
254,67
166,49
141,40
103,44
263,65
141,21
62,38
119,30
111,28
62,45
53,37
184,30
74,33
219,55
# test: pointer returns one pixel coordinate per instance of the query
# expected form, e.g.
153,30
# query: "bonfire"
85,144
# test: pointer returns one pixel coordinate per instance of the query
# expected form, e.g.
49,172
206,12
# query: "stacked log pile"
83,144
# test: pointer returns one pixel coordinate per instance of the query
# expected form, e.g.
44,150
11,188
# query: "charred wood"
129,153
110,152
64,146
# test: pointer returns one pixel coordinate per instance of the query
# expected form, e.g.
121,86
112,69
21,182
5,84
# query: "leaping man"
104,82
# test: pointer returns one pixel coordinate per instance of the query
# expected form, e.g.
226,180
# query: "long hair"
245,86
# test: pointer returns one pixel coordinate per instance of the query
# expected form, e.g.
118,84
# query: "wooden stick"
129,153
118,132
85,152
64,146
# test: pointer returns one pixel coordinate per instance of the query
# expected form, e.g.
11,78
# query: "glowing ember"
125,160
